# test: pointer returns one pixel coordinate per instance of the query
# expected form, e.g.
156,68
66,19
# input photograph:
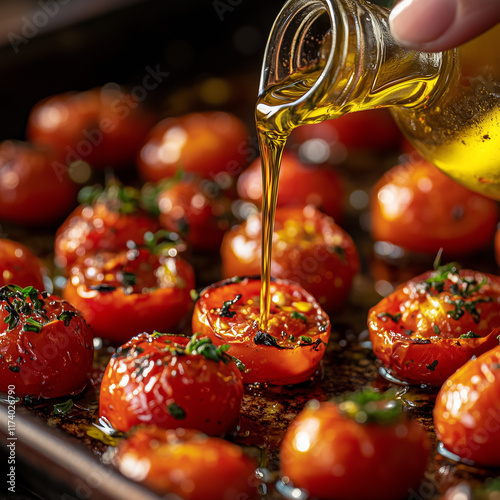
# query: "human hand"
436,25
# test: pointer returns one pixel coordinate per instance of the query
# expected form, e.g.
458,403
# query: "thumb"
436,25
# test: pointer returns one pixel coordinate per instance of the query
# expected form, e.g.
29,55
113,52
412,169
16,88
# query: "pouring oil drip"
326,58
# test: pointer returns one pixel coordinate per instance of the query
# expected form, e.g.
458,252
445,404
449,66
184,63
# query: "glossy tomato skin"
294,343
19,265
334,457
466,413
48,350
211,468
300,184
372,130
204,143
104,127
100,225
308,248
189,208
415,330
154,380
122,294
33,189
419,208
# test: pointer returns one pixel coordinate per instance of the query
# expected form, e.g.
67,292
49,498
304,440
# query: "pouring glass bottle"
326,58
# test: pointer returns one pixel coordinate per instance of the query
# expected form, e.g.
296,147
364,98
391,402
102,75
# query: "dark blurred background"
211,49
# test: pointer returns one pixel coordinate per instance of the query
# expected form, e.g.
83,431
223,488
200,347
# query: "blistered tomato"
172,382
125,293
187,463
206,143
197,210
308,248
431,325
33,188
46,347
288,352
106,220
466,414
104,127
19,266
421,209
363,447
300,184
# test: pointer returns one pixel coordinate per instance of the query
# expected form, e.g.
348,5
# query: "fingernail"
421,21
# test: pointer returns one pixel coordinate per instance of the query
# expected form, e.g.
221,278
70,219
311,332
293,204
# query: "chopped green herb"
32,325
128,278
338,251
304,338
262,338
225,312
432,366
436,329
176,411
395,317
299,315
194,295
66,317
469,335
62,409
14,368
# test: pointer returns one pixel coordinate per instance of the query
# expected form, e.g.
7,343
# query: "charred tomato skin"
35,187
309,248
417,335
421,209
124,293
334,457
19,265
212,468
466,413
99,226
49,351
206,143
291,349
153,380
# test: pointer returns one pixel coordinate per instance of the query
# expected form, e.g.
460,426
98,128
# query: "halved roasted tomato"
308,248
188,464
46,347
172,381
288,351
431,325
125,293
467,410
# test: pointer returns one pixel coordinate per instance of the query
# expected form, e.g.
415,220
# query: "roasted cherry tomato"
362,447
466,414
103,127
419,208
431,325
308,248
125,293
288,352
205,143
19,266
46,347
299,185
33,189
188,464
197,210
106,220
372,130
170,382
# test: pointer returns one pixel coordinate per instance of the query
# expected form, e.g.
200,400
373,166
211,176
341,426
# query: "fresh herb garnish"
299,315
128,278
176,411
205,347
66,317
305,338
470,335
262,338
61,409
395,317
369,406
462,306
32,325
432,366
161,241
225,312
436,329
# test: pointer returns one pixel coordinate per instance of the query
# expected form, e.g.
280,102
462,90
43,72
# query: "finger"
435,25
